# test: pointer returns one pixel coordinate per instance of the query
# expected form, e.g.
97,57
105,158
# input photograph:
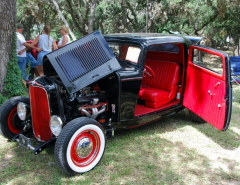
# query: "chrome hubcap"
84,147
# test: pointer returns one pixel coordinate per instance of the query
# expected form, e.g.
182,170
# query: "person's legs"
34,63
22,62
40,61
36,71
32,60
40,70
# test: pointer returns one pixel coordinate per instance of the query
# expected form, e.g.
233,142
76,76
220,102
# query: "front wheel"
10,123
80,146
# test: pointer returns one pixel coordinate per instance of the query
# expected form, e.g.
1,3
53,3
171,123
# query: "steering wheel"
148,72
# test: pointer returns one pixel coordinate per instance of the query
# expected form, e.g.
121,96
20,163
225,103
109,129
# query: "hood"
81,62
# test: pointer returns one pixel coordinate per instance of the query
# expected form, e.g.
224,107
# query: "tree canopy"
214,19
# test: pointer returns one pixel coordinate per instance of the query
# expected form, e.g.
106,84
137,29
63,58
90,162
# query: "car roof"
146,38
194,39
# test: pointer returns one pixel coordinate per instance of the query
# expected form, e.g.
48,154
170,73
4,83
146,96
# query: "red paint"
156,92
166,56
141,109
205,93
94,139
40,113
11,125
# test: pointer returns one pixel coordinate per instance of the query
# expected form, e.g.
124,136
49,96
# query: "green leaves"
13,80
209,18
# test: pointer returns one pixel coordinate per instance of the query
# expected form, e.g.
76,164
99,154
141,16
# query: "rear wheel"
80,146
10,123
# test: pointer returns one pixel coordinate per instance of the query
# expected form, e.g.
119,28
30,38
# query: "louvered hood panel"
83,62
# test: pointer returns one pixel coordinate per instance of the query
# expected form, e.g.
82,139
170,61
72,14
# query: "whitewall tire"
80,146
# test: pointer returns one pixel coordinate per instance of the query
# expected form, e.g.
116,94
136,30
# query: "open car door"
208,89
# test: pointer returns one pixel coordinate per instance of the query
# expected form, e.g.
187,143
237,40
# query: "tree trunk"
7,31
237,50
63,19
92,15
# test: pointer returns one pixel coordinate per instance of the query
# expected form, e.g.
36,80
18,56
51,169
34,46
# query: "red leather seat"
161,88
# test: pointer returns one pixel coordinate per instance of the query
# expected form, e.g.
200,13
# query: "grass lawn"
170,151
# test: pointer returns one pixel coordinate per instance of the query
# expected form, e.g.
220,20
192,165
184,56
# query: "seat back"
166,75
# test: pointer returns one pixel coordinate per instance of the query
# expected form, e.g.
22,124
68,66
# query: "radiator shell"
40,111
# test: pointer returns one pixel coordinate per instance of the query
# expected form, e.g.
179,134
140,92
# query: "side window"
126,52
208,61
133,54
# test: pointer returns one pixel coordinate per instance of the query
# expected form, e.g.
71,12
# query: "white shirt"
20,41
60,41
45,42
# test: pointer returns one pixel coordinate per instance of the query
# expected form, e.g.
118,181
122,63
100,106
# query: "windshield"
126,52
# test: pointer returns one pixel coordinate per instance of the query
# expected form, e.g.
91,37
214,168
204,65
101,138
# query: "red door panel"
207,91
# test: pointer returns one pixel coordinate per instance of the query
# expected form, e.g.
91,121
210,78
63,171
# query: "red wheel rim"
85,148
13,120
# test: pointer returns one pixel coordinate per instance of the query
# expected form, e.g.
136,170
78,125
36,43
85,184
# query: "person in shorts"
47,44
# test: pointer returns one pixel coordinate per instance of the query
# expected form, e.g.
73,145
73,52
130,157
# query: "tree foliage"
10,76
214,19
7,21
13,83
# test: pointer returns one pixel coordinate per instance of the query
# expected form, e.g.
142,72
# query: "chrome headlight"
56,125
22,110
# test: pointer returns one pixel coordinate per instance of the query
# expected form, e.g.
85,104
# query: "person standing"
65,39
47,44
33,63
22,46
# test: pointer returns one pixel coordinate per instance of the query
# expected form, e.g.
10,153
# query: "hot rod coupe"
102,83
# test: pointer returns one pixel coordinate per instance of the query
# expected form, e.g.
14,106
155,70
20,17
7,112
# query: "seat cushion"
162,88
153,94
153,97
156,104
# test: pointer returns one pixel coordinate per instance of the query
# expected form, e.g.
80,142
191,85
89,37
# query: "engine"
48,97
91,103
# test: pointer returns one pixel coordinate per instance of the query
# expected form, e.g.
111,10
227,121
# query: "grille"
40,113
84,61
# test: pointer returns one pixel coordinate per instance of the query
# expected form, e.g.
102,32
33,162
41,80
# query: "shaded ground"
170,151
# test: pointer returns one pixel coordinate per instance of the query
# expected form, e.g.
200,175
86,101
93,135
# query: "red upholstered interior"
161,88
177,57
142,109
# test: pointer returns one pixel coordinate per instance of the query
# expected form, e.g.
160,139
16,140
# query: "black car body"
98,84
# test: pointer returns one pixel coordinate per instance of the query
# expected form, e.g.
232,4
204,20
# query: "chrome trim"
95,111
84,147
130,79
